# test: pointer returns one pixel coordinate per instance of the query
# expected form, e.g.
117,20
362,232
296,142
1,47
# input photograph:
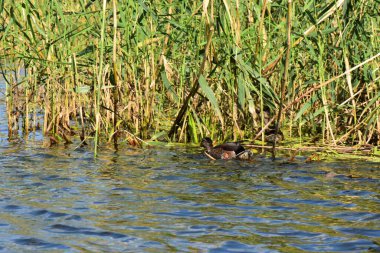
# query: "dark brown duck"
228,150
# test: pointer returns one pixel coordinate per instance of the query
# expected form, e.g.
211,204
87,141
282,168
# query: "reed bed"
125,71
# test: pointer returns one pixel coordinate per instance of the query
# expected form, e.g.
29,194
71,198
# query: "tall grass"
129,70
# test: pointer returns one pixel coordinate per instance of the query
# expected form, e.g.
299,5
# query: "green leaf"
193,128
158,135
169,86
211,97
370,103
1,6
314,115
305,107
329,30
82,89
241,90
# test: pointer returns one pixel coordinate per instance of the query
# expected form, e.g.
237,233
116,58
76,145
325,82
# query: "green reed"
181,70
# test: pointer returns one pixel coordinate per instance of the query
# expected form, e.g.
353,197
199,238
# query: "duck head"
206,143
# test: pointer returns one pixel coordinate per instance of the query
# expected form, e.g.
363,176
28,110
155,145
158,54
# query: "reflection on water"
174,199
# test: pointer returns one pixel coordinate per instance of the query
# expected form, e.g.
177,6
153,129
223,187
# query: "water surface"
173,199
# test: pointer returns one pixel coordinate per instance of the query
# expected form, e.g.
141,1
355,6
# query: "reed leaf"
169,87
138,62
211,97
241,91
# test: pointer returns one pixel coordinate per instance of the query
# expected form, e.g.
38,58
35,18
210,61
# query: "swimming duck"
228,150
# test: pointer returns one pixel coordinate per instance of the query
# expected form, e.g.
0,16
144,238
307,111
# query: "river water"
173,199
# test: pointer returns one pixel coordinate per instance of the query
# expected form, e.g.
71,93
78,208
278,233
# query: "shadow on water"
172,199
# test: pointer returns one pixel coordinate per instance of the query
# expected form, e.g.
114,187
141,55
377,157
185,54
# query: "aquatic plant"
129,70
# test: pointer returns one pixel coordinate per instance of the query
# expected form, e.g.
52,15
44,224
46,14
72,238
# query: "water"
173,199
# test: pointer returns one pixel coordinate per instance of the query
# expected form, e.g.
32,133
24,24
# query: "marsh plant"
123,70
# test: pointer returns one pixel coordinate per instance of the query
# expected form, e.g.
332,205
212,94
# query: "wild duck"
228,150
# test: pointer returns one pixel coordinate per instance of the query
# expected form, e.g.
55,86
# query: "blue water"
173,199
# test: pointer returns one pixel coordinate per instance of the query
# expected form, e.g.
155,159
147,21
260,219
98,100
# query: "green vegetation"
180,70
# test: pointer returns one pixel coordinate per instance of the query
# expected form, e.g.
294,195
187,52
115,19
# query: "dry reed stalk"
285,77
195,87
240,69
115,79
99,80
312,89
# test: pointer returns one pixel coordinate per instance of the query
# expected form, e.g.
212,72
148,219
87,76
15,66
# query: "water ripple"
173,199
361,231
39,243
341,246
61,228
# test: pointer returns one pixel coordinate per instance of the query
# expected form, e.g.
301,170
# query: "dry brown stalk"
312,89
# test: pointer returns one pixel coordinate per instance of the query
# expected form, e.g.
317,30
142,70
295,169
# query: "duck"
270,135
226,151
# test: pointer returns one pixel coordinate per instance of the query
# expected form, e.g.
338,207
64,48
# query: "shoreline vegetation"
122,71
